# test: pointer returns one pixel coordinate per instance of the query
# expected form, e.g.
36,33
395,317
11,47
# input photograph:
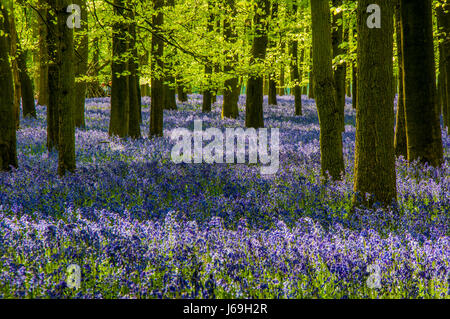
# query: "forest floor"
140,226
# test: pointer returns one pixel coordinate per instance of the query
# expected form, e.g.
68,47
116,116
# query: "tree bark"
207,93
43,96
400,143
422,121
332,161
28,107
374,147
53,74
66,146
157,97
295,74
120,102
134,119
443,20
8,153
254,102
81,64
339,73
231,85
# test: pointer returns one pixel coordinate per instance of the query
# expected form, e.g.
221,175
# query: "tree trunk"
295,74
254,102
332,161
28,107
156,109
134,119
207,93
311,76
443,20
400,143
231,85
272,85
81,64
355,78
181,90
120,102
374,147
66,147
339,73
422,122
53,74
43,97
282,68
8,153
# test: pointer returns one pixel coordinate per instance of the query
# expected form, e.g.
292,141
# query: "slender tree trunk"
181,90
282,68
254,103
81,64
169,91
66,147
422,123
400,143
10,26
207,93
28,107
332,160
53,75
374,148
120,106
272,85
231,85
156,109
339,73
8,153
134,119
311,76
355,78
43,97
295,74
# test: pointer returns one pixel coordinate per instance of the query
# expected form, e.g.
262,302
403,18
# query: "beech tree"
400,143
340,71
331,155
295,74
254,102
156,108
374,146
120,103
8,153
81,64
419,79
231,85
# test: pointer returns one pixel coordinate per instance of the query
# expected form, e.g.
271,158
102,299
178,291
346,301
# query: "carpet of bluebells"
140,226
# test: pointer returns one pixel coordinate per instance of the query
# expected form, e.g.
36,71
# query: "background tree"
231,85
295,74
419,79
208,93
156,109
120,103
254,102
81,64
134,118
337,37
